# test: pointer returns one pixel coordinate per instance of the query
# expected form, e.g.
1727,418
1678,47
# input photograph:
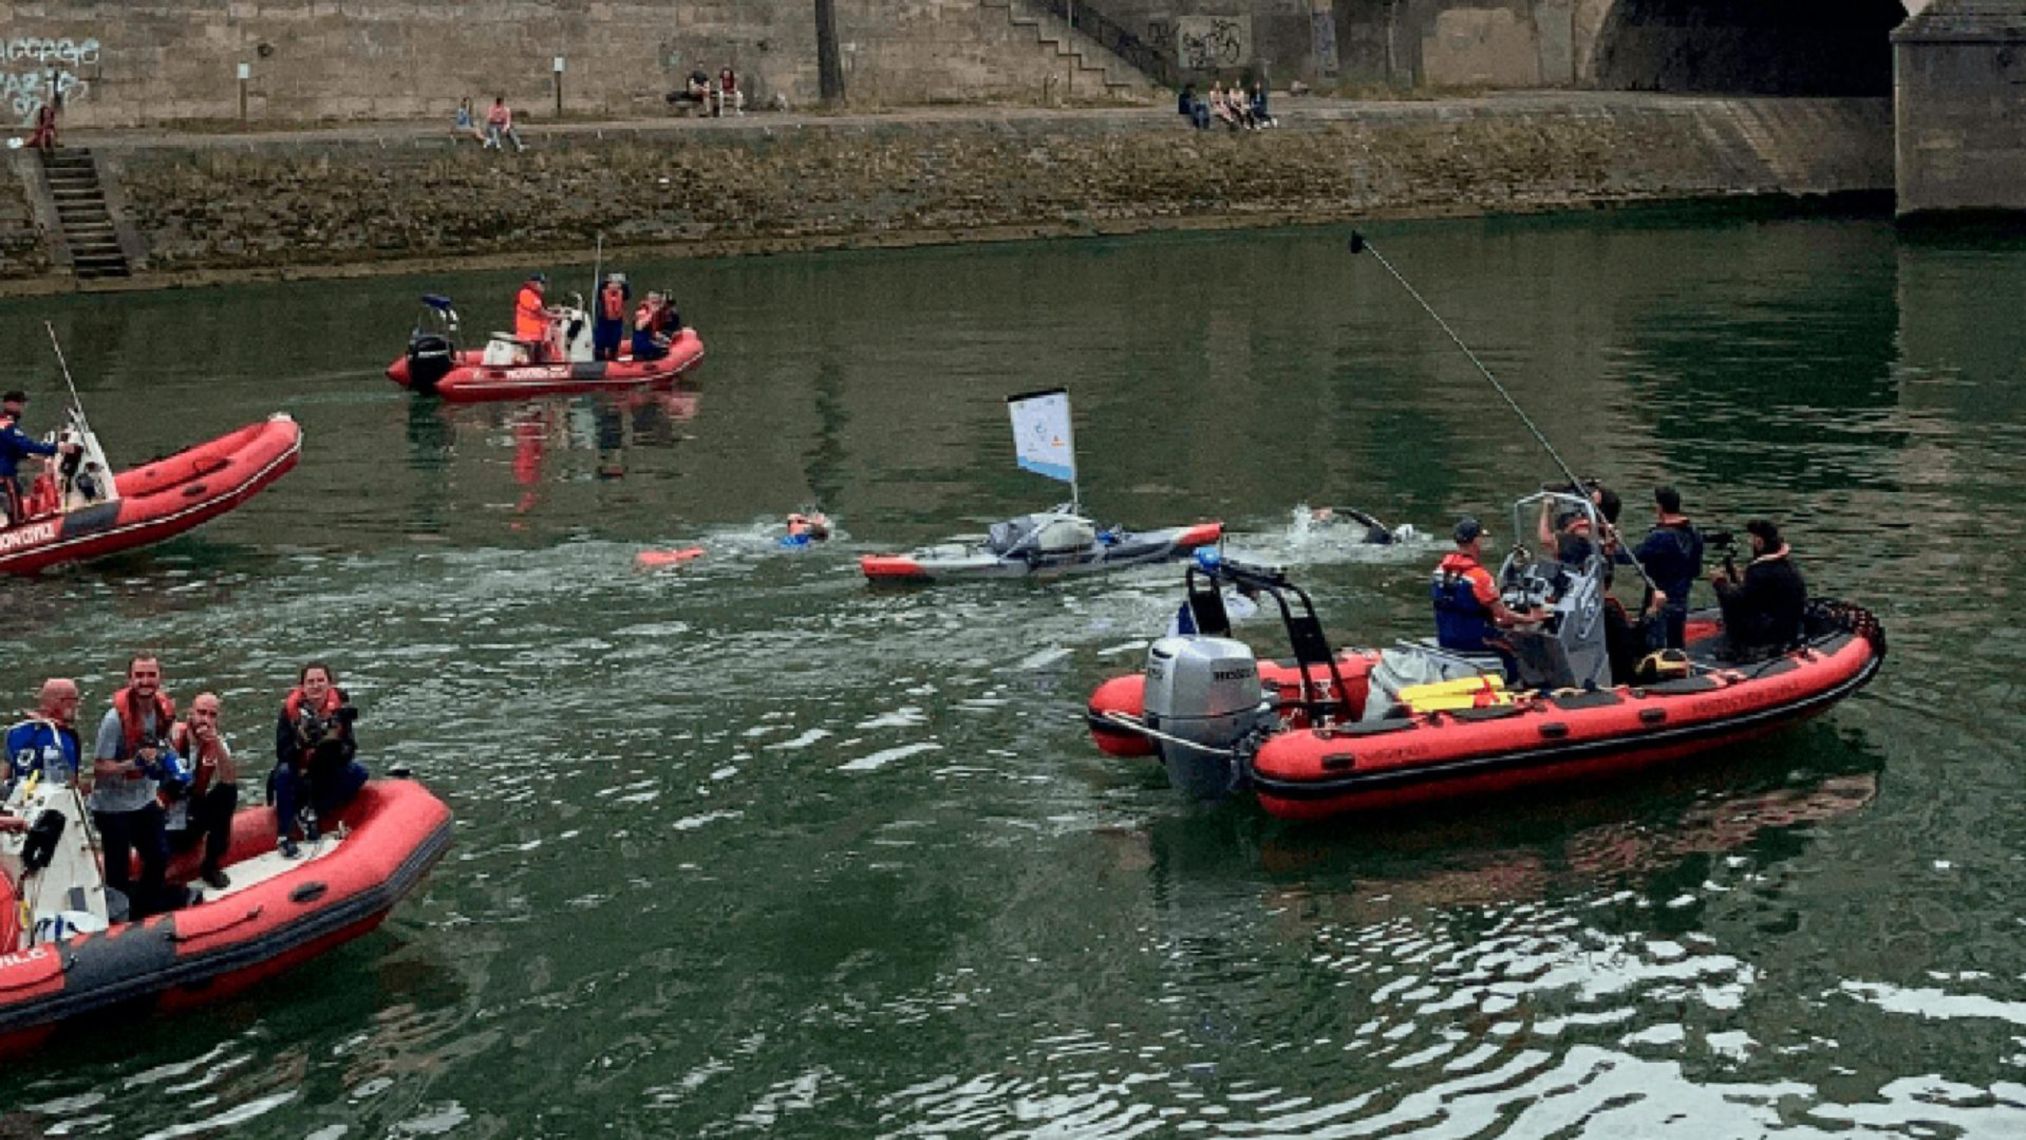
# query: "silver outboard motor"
1205,690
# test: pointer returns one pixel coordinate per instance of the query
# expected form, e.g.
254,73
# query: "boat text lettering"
29,535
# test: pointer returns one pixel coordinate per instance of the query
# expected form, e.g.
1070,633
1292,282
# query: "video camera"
1726,543
170,772
315,731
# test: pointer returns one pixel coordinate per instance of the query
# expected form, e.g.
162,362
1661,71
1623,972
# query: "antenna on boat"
76,404
1361,244
597,269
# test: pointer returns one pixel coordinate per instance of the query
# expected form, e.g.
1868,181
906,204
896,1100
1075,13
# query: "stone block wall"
1960,106
824,183
151,62
24,249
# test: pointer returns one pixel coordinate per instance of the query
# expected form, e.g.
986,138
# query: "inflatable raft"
75,513
1046,543
511,369
64,952
1332,731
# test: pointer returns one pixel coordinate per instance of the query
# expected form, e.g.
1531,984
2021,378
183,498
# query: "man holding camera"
314,746
206,809
1764,608
130,757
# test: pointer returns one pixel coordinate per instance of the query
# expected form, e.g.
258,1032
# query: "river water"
747,847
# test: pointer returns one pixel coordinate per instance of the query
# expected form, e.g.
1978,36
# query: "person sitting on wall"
1261,117
695,93
1191,107
499,126
728,95
1221,106
43,137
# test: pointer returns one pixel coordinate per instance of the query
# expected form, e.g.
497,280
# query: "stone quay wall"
265,204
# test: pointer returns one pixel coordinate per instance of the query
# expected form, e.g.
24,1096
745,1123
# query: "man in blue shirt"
45,740
1672,554
16,445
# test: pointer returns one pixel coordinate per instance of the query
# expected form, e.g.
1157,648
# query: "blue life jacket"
37,745
1461,621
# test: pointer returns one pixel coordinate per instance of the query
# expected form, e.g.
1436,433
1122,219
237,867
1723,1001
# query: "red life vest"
614,297
202,768
131,715
292,707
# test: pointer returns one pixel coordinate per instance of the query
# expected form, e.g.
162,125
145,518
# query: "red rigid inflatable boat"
507,369
1315,736
149,503
277,914
470,378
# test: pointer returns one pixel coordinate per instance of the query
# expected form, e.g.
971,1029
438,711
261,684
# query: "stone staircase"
89,236
1057,25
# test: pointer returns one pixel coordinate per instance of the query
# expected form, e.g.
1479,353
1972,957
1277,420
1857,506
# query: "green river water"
746,847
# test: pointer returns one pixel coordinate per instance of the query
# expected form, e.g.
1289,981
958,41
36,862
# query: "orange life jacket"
614,298
131,715
292,707
202,768
531,319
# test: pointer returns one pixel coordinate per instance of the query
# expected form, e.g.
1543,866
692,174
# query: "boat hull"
471,379
396,830
964,561
1304,772
159,500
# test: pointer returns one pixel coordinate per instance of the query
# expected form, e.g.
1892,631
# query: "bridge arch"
1794,47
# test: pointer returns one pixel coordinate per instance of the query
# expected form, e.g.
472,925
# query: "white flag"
1041,436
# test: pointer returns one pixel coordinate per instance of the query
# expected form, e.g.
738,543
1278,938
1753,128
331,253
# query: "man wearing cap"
532,314
1468,611
15,444
1763,612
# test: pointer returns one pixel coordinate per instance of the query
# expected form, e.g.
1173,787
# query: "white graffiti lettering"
32,534
31,67
43,50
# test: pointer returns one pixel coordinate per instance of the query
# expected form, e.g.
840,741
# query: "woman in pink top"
499,124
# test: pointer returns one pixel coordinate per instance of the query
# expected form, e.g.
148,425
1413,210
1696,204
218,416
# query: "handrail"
1113,37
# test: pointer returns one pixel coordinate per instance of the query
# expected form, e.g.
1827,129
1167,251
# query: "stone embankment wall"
124,63
252,204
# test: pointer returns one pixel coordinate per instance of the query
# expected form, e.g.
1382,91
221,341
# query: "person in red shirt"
499,126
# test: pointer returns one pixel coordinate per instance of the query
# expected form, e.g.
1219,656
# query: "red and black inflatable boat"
1314,736
277,913
71,517
511,369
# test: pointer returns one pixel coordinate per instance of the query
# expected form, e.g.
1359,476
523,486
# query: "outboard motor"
1204,690
430,358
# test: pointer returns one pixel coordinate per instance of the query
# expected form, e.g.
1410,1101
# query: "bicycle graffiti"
1212,43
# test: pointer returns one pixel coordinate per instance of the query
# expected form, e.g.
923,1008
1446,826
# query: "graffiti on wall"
1213,43
1323,26
31,67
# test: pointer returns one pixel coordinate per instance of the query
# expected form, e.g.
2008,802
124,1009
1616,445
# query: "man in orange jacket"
532,315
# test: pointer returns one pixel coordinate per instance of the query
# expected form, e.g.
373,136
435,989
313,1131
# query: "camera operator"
129,757
206,810
1763,611
314,746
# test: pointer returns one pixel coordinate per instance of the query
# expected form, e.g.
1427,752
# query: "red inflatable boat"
73,514
68,961
510,369
1330,732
